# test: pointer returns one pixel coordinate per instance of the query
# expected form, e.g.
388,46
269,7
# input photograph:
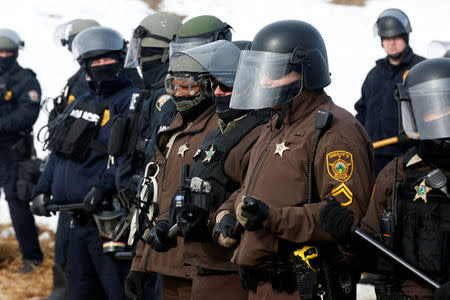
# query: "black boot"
59,285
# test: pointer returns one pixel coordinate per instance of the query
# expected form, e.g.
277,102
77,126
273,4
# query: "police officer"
190,86
419,206
20,95
303,156
76,86
148,48
77,171
377,109
218,170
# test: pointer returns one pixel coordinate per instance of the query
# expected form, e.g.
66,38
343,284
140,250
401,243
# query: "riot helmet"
220,59
198,31
425,100
151,39
285,57
99,42
10,40
66,32
392,22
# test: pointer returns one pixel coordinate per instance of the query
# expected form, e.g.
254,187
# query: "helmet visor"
438,49
96,39
219,58
134,46
265,79
61,33
391,22
181,44
427,115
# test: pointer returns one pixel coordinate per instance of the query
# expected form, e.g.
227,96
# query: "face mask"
104,73
191,108
7,63
222,103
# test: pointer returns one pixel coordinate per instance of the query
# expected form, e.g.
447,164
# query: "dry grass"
34,285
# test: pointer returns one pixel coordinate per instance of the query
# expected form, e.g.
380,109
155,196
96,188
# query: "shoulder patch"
340,165
105,117
33,95
161,101
8,95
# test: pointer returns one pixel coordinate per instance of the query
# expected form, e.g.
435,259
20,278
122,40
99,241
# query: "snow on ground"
347,31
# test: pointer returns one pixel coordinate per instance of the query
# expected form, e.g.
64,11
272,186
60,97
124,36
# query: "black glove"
158,238
223,231
39,205
134,285
337,220
193,222
442,293
28,175
93,199
253,213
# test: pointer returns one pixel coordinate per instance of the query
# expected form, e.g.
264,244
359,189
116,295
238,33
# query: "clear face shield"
265,79
438,49
391,17
426,113
61,33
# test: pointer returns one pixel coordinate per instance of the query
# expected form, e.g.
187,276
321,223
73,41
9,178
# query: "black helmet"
392,22
95,41
277,50
425,100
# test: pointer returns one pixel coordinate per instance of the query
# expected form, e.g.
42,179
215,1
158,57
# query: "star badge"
183,148
421,191
209,154
280,148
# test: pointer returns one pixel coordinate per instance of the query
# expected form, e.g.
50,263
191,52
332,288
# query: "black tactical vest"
209,160
423,229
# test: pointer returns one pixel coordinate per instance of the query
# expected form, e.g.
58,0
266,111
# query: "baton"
369,239
65,207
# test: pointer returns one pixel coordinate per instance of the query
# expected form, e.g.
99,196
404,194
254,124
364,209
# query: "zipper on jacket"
253,173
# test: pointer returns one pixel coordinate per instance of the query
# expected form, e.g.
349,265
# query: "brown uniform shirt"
209,254
277,175
184,146
381,199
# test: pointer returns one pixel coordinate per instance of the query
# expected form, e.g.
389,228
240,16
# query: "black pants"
21,216
90,274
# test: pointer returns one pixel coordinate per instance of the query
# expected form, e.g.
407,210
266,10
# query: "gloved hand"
252,213
337,220
134,285
39,205
158,238
93,199
223,230
193,222
442,293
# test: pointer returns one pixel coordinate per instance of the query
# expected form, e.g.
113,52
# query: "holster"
279,273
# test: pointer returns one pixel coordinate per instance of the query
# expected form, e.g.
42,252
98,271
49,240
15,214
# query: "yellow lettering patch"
161,101
343,189
340,165
105,118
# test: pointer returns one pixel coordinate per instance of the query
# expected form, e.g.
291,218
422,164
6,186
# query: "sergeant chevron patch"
343,189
